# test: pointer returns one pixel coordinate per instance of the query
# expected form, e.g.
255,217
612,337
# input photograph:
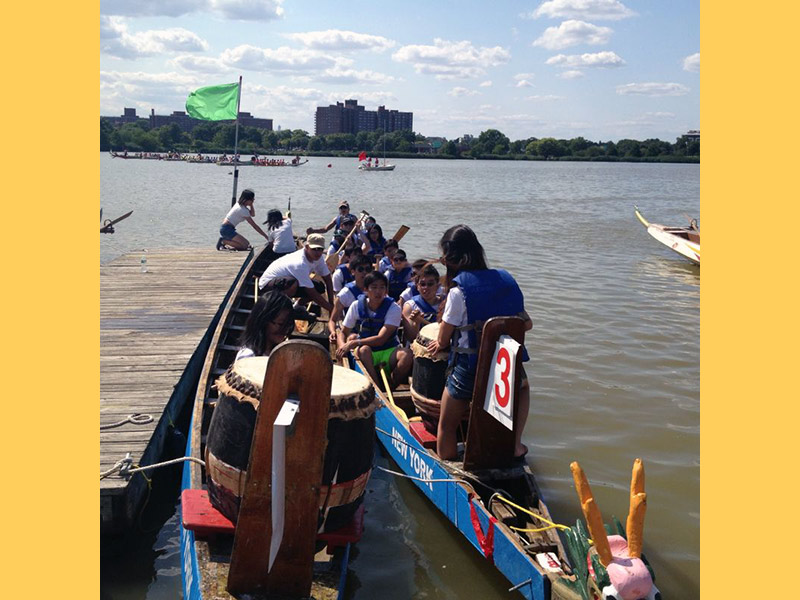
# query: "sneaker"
220,245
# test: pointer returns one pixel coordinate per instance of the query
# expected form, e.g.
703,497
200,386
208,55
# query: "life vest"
375,247
428,312
371,326
413,287
354,289
334,245
384,265
397,281
347,276
487,293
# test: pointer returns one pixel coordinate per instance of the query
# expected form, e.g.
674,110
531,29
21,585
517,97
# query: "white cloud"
458,92
249,10
450,60
573,74
485,84
572,33
692,63
152,8
165,92
283,59
335,39
523,83
241,10
605,59
598,10
652,89
544,98
521,76
199,64
340,74
115,40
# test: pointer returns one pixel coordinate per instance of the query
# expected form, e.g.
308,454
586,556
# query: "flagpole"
236,146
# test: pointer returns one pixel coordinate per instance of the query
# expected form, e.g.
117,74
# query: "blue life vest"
487,294
384,265
371,326
428,312
354,289
398,280
347,276
375,247
334,245
413,287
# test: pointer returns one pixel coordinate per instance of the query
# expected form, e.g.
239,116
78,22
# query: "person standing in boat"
242,211
344,210
476,293
269,323
421,309
300,264
359,267
279,233
377,345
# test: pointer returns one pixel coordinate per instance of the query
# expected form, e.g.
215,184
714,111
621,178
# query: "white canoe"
683,240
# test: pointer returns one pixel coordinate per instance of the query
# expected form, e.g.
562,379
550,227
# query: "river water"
615,348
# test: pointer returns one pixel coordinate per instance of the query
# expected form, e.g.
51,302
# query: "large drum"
348,455
428,375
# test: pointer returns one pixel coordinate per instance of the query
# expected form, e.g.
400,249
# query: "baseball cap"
344,203
316,240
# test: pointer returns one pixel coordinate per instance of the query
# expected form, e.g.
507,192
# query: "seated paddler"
360,267
422,308
377,345
475,294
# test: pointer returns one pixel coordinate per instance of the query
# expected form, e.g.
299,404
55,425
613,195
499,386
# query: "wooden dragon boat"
683,240
214,558
494,499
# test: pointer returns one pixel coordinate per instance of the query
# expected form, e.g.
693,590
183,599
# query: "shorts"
461,379
380,358
227,231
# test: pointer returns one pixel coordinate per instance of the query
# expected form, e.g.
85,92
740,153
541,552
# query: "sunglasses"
363,269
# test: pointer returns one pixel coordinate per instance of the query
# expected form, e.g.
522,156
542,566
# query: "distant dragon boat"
683,240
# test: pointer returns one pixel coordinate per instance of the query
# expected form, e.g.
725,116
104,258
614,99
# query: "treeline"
218,138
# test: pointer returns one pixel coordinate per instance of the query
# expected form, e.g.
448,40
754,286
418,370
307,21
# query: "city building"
349,117
692,134
184,121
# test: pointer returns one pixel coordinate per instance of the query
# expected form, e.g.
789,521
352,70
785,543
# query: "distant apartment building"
692,134
184,121
349,117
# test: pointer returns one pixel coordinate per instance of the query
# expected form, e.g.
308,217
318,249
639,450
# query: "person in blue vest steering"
336,222
376,346
476,293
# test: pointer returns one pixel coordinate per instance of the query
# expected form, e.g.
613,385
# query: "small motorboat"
683,240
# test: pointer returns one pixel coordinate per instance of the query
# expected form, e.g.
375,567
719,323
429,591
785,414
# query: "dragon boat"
683,240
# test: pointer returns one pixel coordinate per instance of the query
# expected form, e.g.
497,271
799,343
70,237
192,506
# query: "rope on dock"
135,419
125,470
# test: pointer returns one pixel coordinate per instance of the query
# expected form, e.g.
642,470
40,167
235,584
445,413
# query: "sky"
601,69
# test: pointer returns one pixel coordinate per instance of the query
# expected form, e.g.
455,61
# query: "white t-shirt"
282,237
338,280
294,265
237,214
455,313
393,316
346,297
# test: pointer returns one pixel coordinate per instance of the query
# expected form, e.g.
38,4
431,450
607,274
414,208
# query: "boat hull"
677,239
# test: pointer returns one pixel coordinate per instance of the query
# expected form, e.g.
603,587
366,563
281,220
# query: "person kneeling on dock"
299,265
476,294
376,346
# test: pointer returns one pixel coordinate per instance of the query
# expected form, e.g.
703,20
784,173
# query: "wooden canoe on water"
206,548
683,240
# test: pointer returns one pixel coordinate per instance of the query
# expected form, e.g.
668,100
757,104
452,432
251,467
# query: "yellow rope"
550,524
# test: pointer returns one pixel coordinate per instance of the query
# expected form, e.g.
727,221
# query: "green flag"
214,103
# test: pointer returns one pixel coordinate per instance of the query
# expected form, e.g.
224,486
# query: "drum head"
352,395
426,335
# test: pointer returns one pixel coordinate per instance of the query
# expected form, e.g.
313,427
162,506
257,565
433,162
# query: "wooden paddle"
333,260
302,369
400,233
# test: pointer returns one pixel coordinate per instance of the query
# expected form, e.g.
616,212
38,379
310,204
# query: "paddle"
333,260
108,226
400,233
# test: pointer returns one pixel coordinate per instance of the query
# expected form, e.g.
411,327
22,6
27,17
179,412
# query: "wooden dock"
155,328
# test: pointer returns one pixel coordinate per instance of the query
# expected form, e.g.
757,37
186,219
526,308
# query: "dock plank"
151,325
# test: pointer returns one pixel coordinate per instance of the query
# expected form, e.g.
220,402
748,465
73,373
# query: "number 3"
502,399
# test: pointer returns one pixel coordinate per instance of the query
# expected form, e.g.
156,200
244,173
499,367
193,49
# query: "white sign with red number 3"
499,401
